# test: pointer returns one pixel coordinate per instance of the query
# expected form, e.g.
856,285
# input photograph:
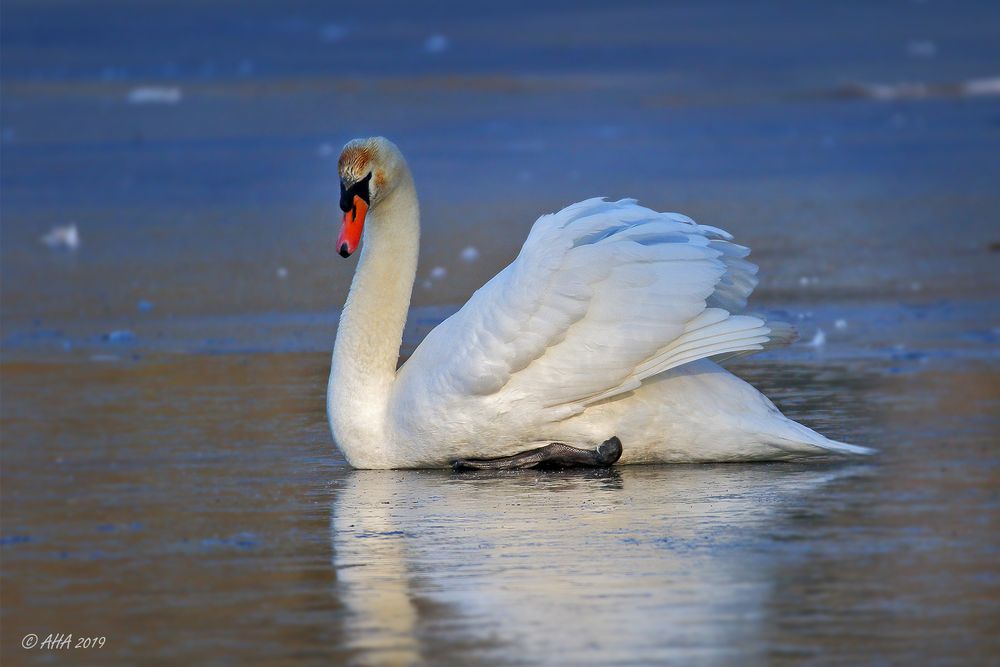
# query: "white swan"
603,326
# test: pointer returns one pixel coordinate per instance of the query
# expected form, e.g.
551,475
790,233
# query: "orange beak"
354,224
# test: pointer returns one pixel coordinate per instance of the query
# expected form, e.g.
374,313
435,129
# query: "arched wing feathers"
602,296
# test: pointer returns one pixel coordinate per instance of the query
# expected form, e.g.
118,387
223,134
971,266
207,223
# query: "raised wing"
602,296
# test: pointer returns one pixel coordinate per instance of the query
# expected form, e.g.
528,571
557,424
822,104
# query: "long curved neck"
371,326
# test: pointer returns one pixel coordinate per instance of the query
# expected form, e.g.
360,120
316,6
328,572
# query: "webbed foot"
555,455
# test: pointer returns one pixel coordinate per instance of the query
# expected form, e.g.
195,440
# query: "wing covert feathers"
602,296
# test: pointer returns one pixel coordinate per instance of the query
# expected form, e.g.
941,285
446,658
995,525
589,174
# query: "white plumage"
602,326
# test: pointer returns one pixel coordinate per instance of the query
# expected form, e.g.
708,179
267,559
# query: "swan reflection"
648,563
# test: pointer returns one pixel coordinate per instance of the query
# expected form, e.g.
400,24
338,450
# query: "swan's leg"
556,455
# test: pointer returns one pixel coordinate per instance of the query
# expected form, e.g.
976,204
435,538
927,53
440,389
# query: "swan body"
606,324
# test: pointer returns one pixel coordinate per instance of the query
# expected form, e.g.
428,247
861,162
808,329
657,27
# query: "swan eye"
359,189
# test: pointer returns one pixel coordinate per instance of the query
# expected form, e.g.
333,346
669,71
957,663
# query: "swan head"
369,170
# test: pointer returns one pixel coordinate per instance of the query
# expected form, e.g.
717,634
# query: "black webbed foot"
555,455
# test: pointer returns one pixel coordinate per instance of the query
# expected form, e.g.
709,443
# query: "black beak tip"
344,252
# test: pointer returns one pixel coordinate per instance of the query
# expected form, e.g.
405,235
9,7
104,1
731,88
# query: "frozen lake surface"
168,479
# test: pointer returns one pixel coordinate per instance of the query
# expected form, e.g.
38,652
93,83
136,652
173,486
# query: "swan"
598,344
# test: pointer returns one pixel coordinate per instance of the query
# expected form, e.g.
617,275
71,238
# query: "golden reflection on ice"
653,560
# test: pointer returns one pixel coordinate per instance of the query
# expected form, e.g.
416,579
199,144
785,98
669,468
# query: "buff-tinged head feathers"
355,160
376,156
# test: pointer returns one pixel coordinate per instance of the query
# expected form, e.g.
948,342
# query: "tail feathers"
796,435
845,448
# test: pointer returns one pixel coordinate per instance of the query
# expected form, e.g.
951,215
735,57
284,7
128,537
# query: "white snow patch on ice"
818,339
469,254
154,95
63,236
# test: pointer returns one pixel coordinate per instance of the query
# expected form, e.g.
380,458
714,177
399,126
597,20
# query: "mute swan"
602,330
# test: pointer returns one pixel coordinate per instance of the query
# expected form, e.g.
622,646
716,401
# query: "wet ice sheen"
174,487
203,492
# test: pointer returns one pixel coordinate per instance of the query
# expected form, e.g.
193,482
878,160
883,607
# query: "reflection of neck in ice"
370,560
637,562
